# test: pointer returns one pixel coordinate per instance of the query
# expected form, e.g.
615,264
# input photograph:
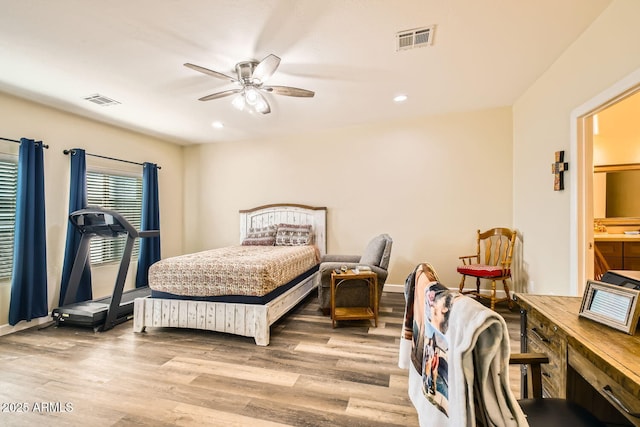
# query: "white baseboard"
391,287
8,329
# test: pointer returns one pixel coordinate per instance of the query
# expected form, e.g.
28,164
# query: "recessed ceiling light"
217,125
400,98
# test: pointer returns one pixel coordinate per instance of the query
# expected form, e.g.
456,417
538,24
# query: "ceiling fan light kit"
251,76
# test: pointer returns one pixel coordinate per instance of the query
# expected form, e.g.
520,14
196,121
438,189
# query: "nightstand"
341,279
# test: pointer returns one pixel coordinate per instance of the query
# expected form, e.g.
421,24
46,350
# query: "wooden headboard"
290,214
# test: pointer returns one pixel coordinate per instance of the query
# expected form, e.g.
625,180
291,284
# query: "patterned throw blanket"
457,353
233,270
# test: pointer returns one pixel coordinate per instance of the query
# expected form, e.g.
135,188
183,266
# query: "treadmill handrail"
148,233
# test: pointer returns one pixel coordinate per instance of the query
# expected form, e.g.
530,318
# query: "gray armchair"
376,255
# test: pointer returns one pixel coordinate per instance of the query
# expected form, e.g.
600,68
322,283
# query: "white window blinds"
122,194
8,192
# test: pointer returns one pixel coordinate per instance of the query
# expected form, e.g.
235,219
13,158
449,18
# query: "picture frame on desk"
611,305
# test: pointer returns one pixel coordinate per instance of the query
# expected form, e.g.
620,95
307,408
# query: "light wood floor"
309,375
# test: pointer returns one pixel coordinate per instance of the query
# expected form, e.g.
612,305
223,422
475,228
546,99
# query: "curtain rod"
72,151
15,140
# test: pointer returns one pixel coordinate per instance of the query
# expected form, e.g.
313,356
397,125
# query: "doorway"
585,121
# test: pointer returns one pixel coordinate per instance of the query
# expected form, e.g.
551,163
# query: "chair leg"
506,291
478,285
536,380
493,295
462,283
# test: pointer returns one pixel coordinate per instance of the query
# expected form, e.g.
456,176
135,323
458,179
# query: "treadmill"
104,313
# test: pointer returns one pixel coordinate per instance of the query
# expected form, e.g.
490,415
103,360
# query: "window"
123,194
8,193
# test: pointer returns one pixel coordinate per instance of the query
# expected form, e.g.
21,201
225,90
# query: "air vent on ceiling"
418,37
101,100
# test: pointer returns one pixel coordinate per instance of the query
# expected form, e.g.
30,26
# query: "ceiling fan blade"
266,68
219,94
210,72
289,91
262,106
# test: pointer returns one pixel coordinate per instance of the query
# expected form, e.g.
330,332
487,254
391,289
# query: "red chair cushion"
481,270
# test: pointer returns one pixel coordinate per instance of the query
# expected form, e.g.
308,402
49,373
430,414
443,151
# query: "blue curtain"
150,246
29,278
77,200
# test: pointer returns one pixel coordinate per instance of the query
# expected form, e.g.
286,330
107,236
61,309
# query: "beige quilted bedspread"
232,270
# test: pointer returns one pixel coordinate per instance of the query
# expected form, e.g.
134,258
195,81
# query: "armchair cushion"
327,267
386,254
341,258
482,270
372,254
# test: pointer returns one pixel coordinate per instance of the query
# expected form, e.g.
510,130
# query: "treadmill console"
101,222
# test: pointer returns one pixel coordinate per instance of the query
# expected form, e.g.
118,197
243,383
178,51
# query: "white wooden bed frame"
250,320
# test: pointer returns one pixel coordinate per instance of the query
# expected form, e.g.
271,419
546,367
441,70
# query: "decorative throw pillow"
293,235
263,236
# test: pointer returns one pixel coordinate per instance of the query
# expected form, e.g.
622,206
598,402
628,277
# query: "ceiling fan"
251,76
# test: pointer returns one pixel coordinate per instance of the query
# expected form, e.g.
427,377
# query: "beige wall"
430,183
618,139
19,118
604,54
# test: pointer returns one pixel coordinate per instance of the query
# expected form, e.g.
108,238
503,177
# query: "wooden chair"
492,261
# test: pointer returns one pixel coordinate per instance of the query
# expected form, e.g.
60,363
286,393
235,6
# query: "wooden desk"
583,352
354,313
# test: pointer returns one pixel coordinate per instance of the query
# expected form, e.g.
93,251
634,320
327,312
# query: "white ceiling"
485,54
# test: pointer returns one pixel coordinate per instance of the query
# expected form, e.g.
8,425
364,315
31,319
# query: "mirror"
616,191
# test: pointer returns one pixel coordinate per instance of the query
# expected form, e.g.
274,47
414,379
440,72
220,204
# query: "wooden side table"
354,313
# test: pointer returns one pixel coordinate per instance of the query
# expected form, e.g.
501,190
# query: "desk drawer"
626,401
543,337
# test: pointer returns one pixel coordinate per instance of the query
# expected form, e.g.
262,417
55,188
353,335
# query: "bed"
246,308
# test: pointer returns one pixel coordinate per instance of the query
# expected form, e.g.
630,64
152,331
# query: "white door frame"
581,187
